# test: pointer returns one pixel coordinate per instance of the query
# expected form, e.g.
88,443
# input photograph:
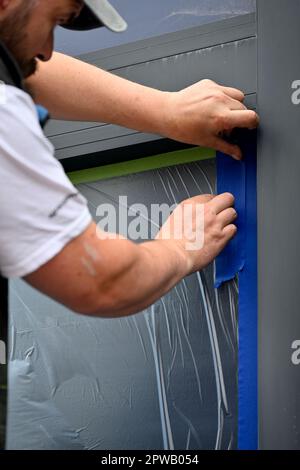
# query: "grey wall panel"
101,146
279,223
223,63
55,127
225,52
163,379
89,135
220,32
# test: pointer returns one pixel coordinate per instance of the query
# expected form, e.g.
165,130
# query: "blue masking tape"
43,114
240,257
231,178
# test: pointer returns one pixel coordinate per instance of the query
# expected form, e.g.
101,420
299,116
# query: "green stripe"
141,165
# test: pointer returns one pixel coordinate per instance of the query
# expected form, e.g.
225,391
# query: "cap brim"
98,13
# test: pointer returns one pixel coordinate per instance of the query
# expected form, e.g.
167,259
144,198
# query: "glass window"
151,18
163,379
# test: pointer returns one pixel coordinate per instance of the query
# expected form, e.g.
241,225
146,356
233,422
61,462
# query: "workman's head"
27,26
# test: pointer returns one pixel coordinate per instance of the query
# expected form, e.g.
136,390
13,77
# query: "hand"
213,231
204,112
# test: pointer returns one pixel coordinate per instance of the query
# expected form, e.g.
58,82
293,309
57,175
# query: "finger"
236,105
222,202
229,232
203,199
244,119
229,149
208,82
232,103
234,93
227,217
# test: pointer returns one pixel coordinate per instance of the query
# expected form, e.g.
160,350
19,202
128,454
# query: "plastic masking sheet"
165,378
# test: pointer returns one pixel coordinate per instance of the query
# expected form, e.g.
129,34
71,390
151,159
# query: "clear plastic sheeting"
3,387
163,379
148,19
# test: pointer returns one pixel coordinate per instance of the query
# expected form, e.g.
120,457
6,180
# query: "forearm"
73,90
197,115
145,274
110,276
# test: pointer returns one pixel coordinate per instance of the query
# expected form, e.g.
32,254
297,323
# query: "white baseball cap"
97,13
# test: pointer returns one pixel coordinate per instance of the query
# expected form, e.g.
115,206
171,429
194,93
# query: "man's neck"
10,71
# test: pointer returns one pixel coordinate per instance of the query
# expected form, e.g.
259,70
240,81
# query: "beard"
13,36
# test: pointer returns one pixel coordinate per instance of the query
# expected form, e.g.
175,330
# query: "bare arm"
110,277
74,90
115,278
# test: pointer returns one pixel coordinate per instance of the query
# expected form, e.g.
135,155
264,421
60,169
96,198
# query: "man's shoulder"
13,100
19,123
26,154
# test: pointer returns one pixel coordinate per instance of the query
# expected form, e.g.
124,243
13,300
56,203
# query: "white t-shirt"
40,210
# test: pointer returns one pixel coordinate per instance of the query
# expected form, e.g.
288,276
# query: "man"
46,232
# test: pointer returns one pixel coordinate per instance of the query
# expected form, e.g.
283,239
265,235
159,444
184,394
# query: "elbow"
95,302
93,306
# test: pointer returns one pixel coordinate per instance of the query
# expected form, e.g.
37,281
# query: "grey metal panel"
55,127
201,37
223,62
89,135
170,62
279,223
101,146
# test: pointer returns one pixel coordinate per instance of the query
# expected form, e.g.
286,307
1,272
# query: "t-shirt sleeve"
40,210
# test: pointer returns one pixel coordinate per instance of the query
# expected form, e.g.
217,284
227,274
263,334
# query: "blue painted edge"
240,257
